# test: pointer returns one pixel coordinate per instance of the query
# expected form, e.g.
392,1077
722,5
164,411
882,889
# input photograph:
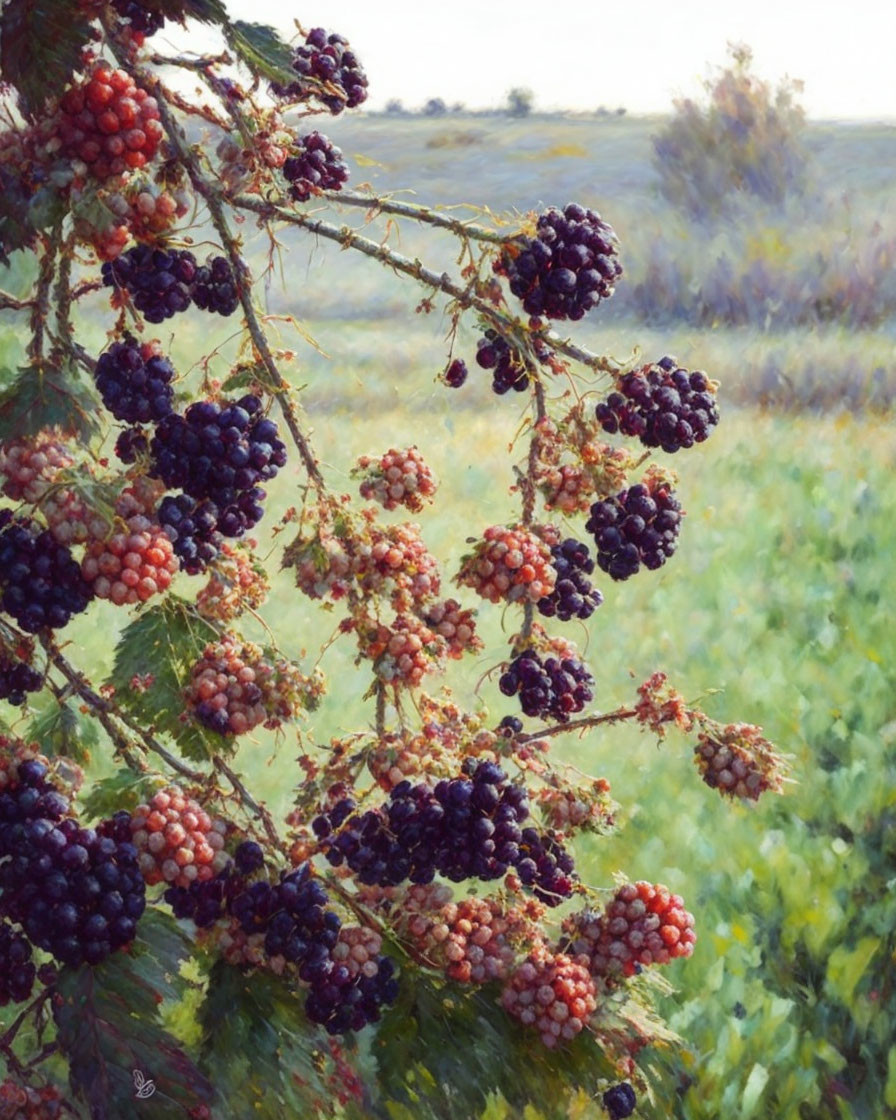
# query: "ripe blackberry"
220,451
248,857
397,478
573,596
348,991
131,444
41,582
545,866
661,405
132,565
140,18
636,526
456,373
17,678
567,268
192,528
510,726
328,70
739,761
215,287
509,564
17,973
176,840
552,993
549,688
509,371
160,281
620,1100
109,123
315,165
134,380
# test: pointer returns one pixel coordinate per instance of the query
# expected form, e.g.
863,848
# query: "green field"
775,610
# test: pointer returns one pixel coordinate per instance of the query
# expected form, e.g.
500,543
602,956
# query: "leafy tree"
519,102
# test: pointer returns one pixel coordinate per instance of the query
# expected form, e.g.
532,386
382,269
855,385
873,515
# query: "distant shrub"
748,140
435,107
519,102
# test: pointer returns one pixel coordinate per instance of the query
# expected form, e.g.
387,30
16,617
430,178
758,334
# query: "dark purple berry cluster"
17,973
131,443
160,281
620,1100
17,678
567,268
467,827
456,373
573,596
76,892
41,582
510,726
219,452
140,18
634,527
192,528
215,287
549,688
508,369
315,165
661,405
297,925
326,60
135,385
545,867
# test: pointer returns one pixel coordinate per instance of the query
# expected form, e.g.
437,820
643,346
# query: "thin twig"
250,803
579,724
426,214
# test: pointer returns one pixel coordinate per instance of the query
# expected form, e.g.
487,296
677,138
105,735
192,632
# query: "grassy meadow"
775,610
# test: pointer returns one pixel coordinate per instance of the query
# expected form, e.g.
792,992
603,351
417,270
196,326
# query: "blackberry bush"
150,897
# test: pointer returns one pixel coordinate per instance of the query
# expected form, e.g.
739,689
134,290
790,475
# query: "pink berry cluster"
132,564
509,564
552,993
738,761
177,841
397,478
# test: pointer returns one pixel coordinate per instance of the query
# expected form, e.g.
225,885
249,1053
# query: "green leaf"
122,790
40,47
260,1051
46,397
163,643
262,50
205,11
62,730
108,1026
442,1050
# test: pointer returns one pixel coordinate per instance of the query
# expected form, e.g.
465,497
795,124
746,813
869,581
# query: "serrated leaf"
442,1051
205,11
262,50
45,397
108,1026
62,730
262,1054
122,790
163,643
40,47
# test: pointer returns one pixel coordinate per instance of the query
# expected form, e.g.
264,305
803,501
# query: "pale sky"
579,55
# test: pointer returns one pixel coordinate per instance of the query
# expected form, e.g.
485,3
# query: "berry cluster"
237,582
17,678
396,562
30,465
109,123
643,924
398,478
324,562
494,352
17,973
509,564
134,380
131,445
160,281
587,807
462,828
316,165
22,1102
41,582
619,1101
456,625
549,688
636,526
661,405
141,19
573,596
215,287
456,373
327,70
176,840
219,452
132,565
739,761
192,526
567,268
76,892
552,993
403,652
